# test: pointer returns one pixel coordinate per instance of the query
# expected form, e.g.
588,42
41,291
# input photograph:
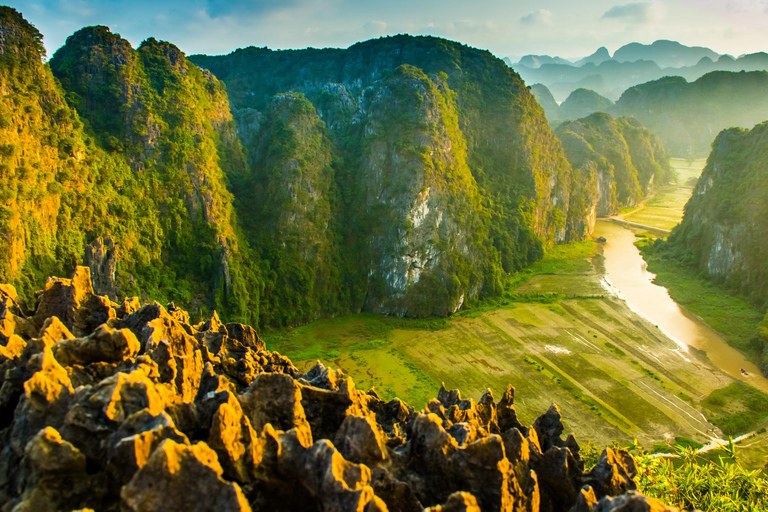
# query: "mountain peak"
665,53
601,55
18,36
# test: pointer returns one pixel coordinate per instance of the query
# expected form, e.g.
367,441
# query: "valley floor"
615,374
560,337
664,210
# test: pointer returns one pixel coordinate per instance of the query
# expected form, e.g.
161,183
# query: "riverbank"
735,318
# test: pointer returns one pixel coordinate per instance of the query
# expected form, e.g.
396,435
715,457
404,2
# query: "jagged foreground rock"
127,407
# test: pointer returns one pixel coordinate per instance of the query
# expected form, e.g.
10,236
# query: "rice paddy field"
558,337
613,374
664,210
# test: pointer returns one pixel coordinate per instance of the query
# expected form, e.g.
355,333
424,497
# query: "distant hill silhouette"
581,103
536,61
631,65
601,55
689,115
667,54
547,101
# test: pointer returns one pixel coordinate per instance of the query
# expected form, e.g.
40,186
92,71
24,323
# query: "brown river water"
627,276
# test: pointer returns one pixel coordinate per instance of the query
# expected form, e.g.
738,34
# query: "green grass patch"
613,348
647,372
737,408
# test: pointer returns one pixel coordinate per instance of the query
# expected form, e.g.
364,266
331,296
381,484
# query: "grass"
555,336
737,408
556,276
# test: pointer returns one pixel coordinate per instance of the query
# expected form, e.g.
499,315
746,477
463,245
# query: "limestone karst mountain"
619,161
472,142
724,230
405,175
128,154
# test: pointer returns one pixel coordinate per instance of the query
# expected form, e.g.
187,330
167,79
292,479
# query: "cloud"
639,12
375,28
540,17
221,8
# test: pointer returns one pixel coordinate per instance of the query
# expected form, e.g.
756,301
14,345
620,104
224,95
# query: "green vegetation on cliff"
622,157
288,206
723,233
431,160
130,147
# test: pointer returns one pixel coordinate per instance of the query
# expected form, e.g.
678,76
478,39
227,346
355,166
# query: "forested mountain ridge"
126,154
619,160
689,115
724,232
631,65
405,176
455,114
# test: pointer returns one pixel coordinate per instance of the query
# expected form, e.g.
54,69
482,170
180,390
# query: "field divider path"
629,425
627,347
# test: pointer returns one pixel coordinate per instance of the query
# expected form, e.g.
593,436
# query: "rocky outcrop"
147,412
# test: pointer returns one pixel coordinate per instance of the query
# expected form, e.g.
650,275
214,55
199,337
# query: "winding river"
627,276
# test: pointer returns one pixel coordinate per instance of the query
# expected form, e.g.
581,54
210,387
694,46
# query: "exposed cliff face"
621,157
428,243
145,172
724,230
110,406
501,142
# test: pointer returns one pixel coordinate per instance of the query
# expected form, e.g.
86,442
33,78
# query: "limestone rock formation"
147,412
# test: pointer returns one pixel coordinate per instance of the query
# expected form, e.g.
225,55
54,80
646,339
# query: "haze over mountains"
630,65
686,115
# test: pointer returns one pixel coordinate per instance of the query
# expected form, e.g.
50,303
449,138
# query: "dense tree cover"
514,161
131,145
620,155
688,116
289,209
724,231
403,175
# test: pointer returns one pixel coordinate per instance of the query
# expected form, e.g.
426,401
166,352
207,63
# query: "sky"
508,28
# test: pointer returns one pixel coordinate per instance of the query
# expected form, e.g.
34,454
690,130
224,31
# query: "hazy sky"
506,27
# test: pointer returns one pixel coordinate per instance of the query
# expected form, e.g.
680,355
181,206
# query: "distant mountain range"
630,65
686,115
